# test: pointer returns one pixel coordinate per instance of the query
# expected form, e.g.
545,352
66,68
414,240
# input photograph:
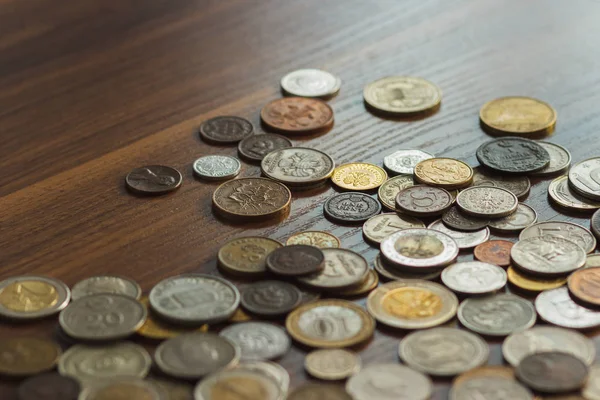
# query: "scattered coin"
388,271
256,147
379,227
247,255
584,178
122,388
552,372
593,260
172,389
154,328
404,161
153,180
216,168
517,185
464,240
388,382
591,391
533,284
487,202
513,155
297,115
296,260
258,341
225,130
311,82
495,252
359,176
447,173
389,190
547,255
270,298
332,364
320,391
30,297
474,277
237,383
423,201
489,387
517,115
322,240
49,386
106,284
298,167
560,192
25,356
343,269
560,160
584,284
456,219
351,207
271,370
556,307
567,230
369,283
517,221
402,95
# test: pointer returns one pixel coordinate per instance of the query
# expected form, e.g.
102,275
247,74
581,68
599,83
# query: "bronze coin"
351,207
584,284
297,115
454,218
495,252
153,180
552,372
423,201
270,298
49,386
256,147
225,130
296,260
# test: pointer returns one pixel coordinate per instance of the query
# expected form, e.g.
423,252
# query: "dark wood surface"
91,89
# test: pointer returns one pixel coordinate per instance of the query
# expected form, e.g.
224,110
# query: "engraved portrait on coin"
557,307
518,185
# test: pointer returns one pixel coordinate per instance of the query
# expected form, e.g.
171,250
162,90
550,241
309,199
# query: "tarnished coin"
343,269
102,317
379,227
533,284
489,387
310,82
412,304
351,207
246,255
402,95
560,160
573,232
497,315
258,341
389,190
359,176
517,115
297,115
556,307
369,283
49,386
173,389
155,328
423,201
517,221
487,202
513,155
464,240
208,299
122,388
547,255
404,161
251,199
330,324
456,219
495,252
296,260
474,277
560,192
389,382
30,297
517,185
332,364
547,338
591,391
298,166
552,372
225,129
194,355
443,351
447,173
391,273
270,298
323,391
106,284
322,240
153,180
584,284
270,370
584,178
237,383
25,356
216,168
256,147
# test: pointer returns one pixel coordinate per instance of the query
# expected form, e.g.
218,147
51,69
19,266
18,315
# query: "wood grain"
92,89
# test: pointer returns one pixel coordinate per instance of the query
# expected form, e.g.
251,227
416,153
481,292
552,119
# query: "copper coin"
50,386
296,260
423,201
494,252
153,180
297,115
256,147
585,285
270,298
552,372
225,130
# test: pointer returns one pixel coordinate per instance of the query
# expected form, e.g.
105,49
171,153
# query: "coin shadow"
299,136
404,117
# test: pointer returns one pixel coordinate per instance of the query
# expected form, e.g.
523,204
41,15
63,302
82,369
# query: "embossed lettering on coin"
298,166
561,193
258,340
332,364
402,95
520,219
106,284
296,260
456,219
351,207
560,159
474,277
487,202
447,173
422,200
518,185
584,178
513,155
556,307
464,240
246,255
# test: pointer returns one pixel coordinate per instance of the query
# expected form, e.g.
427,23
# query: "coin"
380,226
123,388
412,304
464,240
343,269
225,129
547,255
593,260
513,155
258,341
591,391
556,307
496,315
389,272
560,160
567,230
237,383
584,178
271,370
310,391
298,167
447,173
369,283
246,255
172,389
106,284
24,356
495,252
296,260
402,95
489,387
517,115
330,324
495,371
533,284
552,372
584,285
547,338
29,297
49,386
443,351
153,180
560,192
270,298
154,328
594,225
474,277
423,201
487,202
359,176
456,219
208,299
297,115
389,190
251,199
194,355
389,382
216,168
310,82
322,240
351,207
519,220
517,185
332,364
404,161
256,147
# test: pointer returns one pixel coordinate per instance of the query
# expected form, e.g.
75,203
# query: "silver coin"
552,372
423,201
456,219
547,255
272,370
343,268
30,297
591,390
592,260
474,277
443,351
217,167
523,217
518,185
584,178
497,315
464,240
237,383
419,248
379,227
332,364
258,341
547,338
196,299
556,307
561,193
389,382
573,232
389,190
310,83
298,166
560,159
139,388
106,284
490,387
390,273
487,202
102,317
404,161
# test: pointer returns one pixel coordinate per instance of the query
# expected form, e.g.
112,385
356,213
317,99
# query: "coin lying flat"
533,284
155,328
389,272
561,194
319,391
547,255
351,207
322,240
270,298
487,202
225,129
518,185
106,284
423,201
258,341
464,240
495,371
369,283
560,160
474,277
30,297
594,224
523,217
49,386
592,260
517,115
584,284
513,155
447,173
256,147
573,232
552,372
591,391
332,364
379,227
387,382
404,161
343,269
271,370
359,176
215,168
389,190
153,180
402,95
237,383
246,255
297,115
495,252
584,178
298,166
296,260
310,82
556,307
128,388
25,356
456,219
489,387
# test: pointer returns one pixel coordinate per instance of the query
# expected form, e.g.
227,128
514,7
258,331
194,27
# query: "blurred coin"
351,207
494,371
402,95
552,372
310,82
380,226
106,284
513,155
318,239
517,185
419,249
520,219
560,160
487,202
584,284
489,387
123,388
533,284
389,190
595,224
573,232
155,328
215,168
29,297
256,147
556,307
591,391
447,173
423,201
547,255
153,180
297,115
225,129
25,356
474,277
298,166
271,370
239,316
495,252
391,273
592,260
323,391
359,176
404,161
49,386
517,115
343,269
172,389
584,178
246,255
456,219
369,283
388,382
332,364
270,298
464,240
258,341
560,192
237,383
296,260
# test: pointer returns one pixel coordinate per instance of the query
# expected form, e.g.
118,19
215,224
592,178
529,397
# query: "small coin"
106,284
370,282
423,201
49,386
30,297
389,190
443,351
591,391
216,168
584,178
456,219
127,388
359,176
547,255
495,252
270,298
474,277
246,255
584,284
256,147
296,260
172,389
332,364
238,383
533,284
310,82
270,370
322,240
389,382
153,180
594,225
379,227
552,372
560,192
556,307
404,161
513,155
208,299
487,202
518,185
464,240
517,115
447,173
497,315
154,328
330,324
225,130
388,271
489,387
297,115
310,391
351,207
25,356
567,230
298,167
258,341
343,269
402,95
560,160
517,221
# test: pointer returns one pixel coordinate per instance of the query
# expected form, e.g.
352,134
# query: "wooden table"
92,89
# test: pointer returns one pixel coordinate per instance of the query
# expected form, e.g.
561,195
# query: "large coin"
464,240
489,387
298,167
225,129
258,341
343,269
443,351
531,284
216,168
297,115
106,284
547,255
376,229
351,207
560,160
270,370
123,388
423,201
310,391
369,283
389,382
513,155
49,386
517,221
419,248
517,115
24,356
404,161
359,176
270,298
156,328
474,277
310,82
497,315
584,178
456,219
447,173
487,202
153,180
332,364
591,391
322,240
561,193
246,255
518,185
256,147
495,252
389,190
206,299
296,260
237,383
389,272
552,372
556,307
584,284
30,297
404,95
573,232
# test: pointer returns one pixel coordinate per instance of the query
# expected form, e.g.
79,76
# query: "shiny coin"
258,341
343,269
123,388
194,355
412,304
237,383
297,115
208,299
310,391
225,130
403,95
216,168
404,161
567,230
423,201
388,382
256,147
351,207
464,240
154,328
270,370
517,115
389,190
584,284
556,307
447,173
456,219
560,192
173,389
49,386
497,315
533,284
593,260
322,240
389,272
296,260
106,284
298,166
270,298
489,387
246,255
153,180
495,252
369,283
29,297
251,199
443,351
513,155
517,185
591,391
487,202
560,160
584,178
332,364
330,324
24,356
474,277
552,372
379,227
359,176
594,225
517,221
547,255
310,83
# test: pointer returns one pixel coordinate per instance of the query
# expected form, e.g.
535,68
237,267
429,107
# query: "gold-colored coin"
225,389
560,192
522,116
173,389
24,356
371,281
123,389
240,316
389,190
447,173
359,176
402,95
531,284
240,383
29,297
485,371
154,328
246,255
332,364
322,240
